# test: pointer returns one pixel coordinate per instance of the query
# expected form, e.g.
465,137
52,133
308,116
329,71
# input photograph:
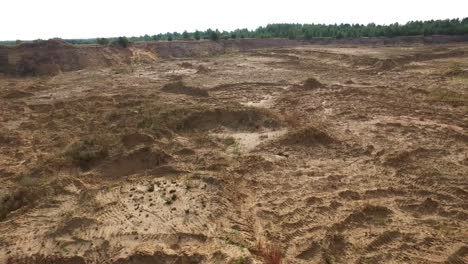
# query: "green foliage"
196,35
102,41
241,260
87,152
122,42
185,35
292,34
214,35
304,31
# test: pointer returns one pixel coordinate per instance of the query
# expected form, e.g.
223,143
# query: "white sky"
33,19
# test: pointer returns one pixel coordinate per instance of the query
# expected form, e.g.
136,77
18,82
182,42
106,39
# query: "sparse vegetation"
214,35
159,161
270,253
14,201
122,42
308,31
179,87
311,83
102,41
241,260
446,96
236,149
87,152
197,35
185,35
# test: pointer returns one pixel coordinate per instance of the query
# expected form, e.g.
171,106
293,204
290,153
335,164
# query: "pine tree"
185,35
197,35
214,35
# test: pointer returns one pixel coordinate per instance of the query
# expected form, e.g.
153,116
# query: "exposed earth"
323,154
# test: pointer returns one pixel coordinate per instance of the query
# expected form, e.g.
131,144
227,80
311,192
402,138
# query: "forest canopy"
304,32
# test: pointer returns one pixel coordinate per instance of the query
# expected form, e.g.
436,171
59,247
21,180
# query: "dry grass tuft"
456,70
179,87
271,254
311,83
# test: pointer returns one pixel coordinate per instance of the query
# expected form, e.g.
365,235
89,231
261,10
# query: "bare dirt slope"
330,155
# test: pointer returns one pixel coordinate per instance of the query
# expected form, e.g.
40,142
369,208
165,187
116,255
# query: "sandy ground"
328,155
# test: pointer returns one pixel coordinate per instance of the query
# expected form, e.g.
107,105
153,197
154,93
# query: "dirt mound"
239,119
180,88
54,56
186,65
138,160
15,94
141,56
368,215
134,139
180,49
335,246
73,224
87,152
429,206
368,169
9,138
202,69
309,252
406,157
383,239
10,202
308,136
161,258
311,84
385,65
40,259
456,70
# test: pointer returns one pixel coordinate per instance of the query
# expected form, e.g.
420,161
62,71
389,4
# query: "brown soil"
311,83
132,156
180,88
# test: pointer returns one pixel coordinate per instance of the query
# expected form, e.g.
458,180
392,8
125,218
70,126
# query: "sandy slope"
365,164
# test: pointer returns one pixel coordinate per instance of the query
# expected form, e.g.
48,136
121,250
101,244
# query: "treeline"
412,28
300,31
309,31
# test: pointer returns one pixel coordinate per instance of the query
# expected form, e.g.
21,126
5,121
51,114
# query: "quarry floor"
325,154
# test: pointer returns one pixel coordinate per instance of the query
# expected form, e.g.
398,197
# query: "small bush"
16,200
87,152
197,35
456,70
214,36
271,254
185,35
122,42
241,260
180,88
311,83
102,41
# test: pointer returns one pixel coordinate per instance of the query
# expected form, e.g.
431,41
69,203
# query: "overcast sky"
33,19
